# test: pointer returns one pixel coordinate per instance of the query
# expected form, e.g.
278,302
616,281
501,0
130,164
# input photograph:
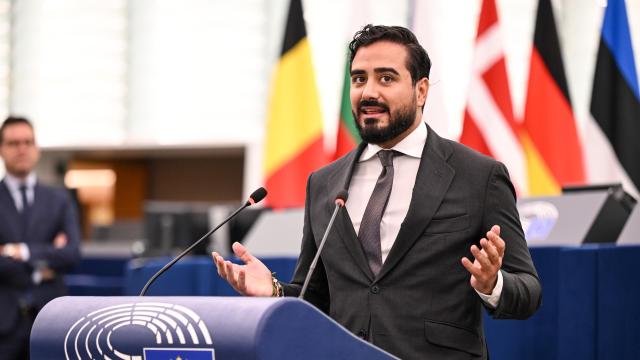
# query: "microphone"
254,198
341,199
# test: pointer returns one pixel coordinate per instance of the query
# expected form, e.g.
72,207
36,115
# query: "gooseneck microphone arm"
341,198
255,197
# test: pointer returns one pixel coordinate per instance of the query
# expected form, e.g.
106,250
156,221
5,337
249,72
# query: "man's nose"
370,91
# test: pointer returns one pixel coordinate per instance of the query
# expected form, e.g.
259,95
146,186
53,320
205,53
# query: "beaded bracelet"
277,290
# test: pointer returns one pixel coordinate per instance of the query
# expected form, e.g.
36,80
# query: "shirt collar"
412,145
13,183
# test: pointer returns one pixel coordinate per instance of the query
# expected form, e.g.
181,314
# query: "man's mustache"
372,103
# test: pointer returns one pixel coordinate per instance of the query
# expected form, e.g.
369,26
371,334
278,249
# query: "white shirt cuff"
36,277
493,299
24,249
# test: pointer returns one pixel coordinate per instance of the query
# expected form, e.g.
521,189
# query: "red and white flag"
489,124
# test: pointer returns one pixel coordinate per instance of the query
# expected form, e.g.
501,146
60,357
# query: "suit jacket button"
375,289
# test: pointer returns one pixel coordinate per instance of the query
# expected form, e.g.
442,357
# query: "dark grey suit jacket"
52,212
421,304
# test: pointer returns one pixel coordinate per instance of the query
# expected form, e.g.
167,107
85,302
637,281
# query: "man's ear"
422,89
38,154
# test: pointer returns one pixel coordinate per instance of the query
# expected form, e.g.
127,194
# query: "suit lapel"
432,181
338,181
10,212
6,200
341,177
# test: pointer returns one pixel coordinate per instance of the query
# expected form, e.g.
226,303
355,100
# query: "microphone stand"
340,200
254,198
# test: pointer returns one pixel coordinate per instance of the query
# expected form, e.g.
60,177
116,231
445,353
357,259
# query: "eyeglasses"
18,143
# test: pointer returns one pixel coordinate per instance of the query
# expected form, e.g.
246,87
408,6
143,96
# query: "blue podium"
150,328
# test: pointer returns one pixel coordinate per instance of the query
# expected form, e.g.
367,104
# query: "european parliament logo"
161,331
538,219
179,354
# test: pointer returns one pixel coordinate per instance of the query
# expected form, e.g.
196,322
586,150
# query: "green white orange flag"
294,135
348,137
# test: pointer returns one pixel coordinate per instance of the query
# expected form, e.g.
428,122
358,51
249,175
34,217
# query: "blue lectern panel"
229,328
577,303
195,275
535,338
618,315
192,276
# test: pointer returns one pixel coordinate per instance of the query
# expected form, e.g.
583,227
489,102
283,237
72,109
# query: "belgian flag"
294,135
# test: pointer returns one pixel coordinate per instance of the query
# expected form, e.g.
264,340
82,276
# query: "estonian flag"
612,139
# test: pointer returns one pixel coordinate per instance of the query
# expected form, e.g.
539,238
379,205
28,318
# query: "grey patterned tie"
369,233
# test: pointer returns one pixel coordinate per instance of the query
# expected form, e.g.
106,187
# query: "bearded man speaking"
431,234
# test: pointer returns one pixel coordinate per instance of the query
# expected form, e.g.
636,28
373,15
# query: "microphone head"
341,198
257,196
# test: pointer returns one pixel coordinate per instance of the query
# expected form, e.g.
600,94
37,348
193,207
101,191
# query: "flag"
294,137
348,136
613,151
550,140
489,125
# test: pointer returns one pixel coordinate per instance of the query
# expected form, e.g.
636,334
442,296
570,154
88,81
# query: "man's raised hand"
487,263
251,279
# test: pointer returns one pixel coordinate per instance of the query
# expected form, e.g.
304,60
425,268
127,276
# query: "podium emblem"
158,328
179,354
538,219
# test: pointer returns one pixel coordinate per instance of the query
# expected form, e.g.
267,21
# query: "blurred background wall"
166,100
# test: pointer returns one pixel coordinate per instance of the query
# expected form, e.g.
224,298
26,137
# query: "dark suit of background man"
39,238
395,269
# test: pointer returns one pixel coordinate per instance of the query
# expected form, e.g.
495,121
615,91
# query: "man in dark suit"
39,238
396,268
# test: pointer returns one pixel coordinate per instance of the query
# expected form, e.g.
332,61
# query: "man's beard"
399,121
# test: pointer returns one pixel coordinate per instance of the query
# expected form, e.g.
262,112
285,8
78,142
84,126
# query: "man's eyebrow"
386,69
376,70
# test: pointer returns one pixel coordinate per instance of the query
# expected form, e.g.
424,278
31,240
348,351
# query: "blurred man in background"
39,238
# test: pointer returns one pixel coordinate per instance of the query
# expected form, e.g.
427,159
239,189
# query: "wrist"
276,290
492,285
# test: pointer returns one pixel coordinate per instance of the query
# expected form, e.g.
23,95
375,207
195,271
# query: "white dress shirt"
13,184
405,171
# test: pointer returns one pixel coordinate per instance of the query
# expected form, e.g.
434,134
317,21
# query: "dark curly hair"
418,61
